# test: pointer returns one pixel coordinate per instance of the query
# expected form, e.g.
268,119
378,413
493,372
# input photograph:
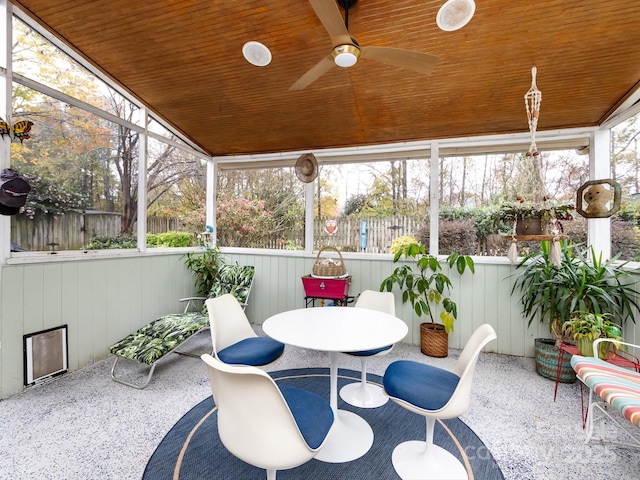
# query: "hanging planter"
529,226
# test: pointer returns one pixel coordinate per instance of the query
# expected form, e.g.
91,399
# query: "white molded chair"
232,337
263,424
363,394
434,393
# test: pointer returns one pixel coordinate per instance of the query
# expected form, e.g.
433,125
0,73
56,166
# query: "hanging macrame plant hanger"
532,101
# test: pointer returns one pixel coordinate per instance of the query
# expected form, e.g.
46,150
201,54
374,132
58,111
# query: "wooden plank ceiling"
183,59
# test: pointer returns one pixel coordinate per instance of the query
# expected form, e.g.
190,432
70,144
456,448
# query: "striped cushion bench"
617,386
619,389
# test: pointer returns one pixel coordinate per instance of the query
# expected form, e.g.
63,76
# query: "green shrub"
108,243
402,242
454,236
170,239
291,245
157,240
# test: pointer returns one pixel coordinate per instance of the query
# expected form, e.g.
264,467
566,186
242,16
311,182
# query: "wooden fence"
379,233
67,232
74,229
164,224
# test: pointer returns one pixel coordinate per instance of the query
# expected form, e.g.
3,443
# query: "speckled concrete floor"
84,426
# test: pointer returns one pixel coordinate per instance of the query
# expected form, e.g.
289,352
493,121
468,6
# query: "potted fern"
422,281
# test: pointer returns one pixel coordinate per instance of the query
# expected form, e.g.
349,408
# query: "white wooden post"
143,162
5,113
434,194
599,229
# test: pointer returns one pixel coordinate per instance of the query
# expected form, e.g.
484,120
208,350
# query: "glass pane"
83,174
364,207
176,196
625,169
262,208
38,59
475,188
159,129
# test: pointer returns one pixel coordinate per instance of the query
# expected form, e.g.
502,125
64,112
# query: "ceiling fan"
346,50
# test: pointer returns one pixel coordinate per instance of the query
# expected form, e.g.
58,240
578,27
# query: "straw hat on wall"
307,168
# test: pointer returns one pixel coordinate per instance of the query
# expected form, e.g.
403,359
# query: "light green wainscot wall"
104,299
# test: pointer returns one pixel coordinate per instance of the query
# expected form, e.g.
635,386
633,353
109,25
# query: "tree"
356,204
257,206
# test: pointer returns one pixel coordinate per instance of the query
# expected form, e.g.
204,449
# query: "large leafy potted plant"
583,282
422,281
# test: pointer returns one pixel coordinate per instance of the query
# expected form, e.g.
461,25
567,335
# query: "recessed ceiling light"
455,14
256,54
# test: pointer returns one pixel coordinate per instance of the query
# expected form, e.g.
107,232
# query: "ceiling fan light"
345,55
455,14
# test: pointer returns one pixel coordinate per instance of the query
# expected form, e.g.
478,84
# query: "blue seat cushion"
312,413
254,351
368,353
424,386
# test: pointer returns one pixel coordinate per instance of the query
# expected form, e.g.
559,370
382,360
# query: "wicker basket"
434,340
336,270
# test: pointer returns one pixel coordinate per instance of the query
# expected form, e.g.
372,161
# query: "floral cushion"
233,279
156,339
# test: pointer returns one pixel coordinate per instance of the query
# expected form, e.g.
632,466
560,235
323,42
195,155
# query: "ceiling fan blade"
407,59
319,69
328,13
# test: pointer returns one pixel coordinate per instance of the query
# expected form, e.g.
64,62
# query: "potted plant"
204,266
531,218
583,282
424,284
586,327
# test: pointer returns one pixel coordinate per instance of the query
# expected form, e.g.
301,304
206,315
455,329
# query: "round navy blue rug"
192,449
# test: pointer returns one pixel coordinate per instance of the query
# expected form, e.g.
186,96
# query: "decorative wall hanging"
596,196
532,100
331,227
20,130
307,168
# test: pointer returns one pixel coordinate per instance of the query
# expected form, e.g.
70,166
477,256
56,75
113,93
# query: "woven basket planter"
333,269
547,361
434,340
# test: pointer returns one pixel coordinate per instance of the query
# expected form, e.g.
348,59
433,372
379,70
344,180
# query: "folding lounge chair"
157,339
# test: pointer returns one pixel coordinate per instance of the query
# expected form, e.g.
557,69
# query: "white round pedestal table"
335,330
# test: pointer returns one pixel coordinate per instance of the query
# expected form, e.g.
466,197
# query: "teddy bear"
597,197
